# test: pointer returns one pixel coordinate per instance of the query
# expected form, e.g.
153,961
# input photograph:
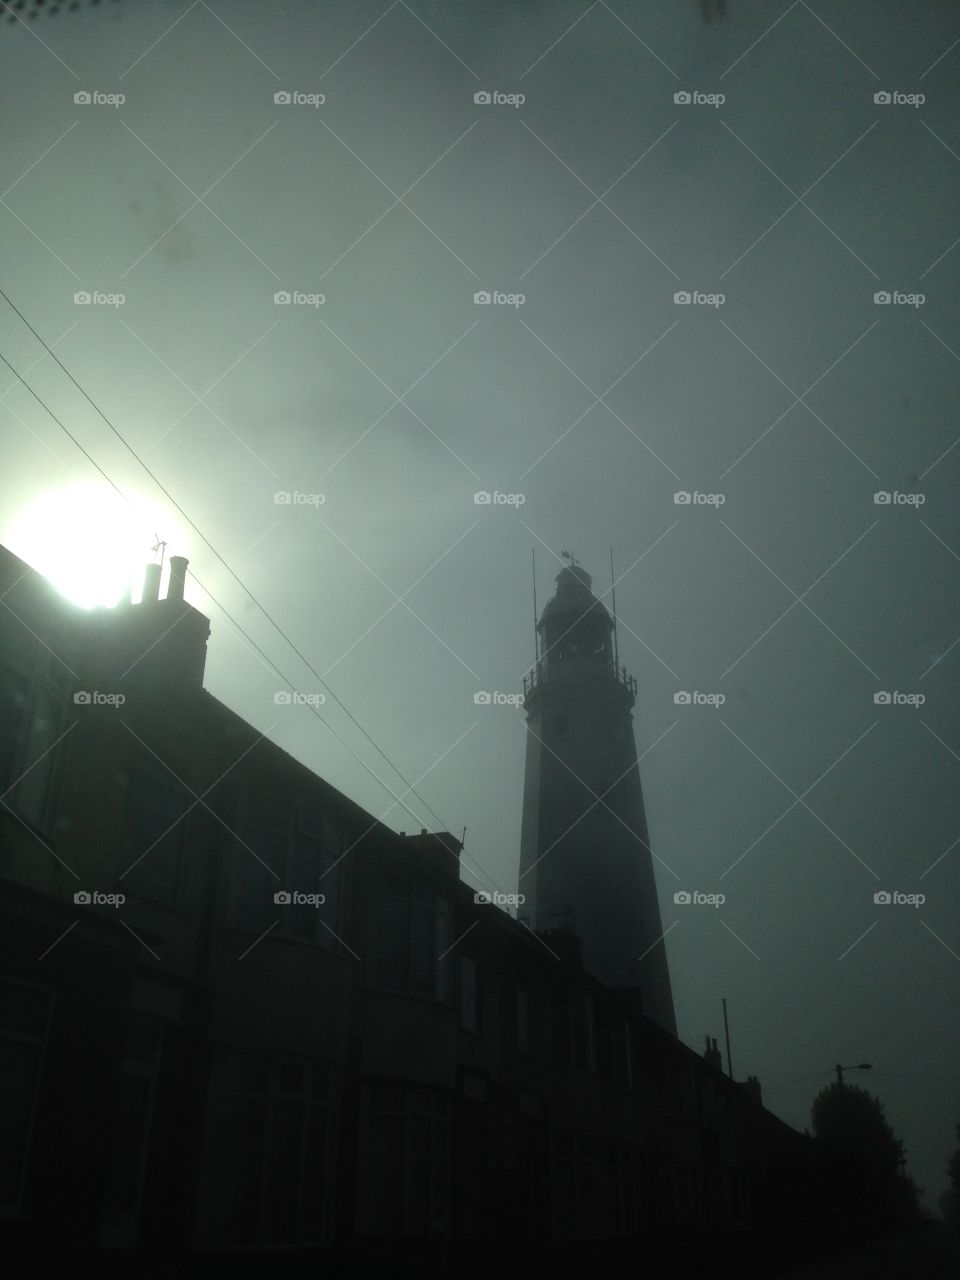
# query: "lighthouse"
585,862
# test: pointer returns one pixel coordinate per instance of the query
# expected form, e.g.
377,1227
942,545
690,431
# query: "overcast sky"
595,400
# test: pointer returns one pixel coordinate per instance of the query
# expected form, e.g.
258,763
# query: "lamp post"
861,1066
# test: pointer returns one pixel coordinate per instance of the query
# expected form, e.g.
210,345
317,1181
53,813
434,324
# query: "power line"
410,789
223,610
199,534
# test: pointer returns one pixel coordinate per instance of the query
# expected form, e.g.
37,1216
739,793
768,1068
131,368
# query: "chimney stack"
712,1054
151,584
178,576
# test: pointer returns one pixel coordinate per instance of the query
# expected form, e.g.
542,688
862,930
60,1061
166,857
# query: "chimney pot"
151,583
178,576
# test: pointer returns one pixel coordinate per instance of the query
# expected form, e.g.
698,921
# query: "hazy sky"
596,399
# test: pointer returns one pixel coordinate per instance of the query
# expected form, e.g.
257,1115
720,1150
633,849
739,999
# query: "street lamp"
861,1066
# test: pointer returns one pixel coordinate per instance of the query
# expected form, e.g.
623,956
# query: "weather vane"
567,556
160,546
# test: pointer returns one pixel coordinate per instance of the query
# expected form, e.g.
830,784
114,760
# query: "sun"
90,542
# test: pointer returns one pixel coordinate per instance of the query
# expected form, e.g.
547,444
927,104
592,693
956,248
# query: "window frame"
14,1209
227,1088
146,766
291,821
418,904
40,673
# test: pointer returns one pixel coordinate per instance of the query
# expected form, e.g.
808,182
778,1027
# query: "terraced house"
237,1013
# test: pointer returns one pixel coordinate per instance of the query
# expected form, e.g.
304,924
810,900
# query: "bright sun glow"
90,543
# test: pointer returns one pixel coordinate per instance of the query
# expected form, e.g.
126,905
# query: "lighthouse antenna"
613,593
536,640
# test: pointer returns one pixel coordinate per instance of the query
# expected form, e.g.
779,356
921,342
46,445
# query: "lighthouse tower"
585,862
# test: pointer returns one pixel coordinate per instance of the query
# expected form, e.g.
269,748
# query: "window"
560,1029
576,1186
523,1020
24,1023
583,1031
410,942
469,1006
572,1029
312,858
34,686
688,1102
686,1193
290,850
156,831
269,1151
403,1162
502,1133
130,1134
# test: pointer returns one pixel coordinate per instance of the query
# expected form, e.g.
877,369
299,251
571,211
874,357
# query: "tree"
950,1200
863,1161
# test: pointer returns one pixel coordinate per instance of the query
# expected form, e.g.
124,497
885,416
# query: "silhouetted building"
237,1013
